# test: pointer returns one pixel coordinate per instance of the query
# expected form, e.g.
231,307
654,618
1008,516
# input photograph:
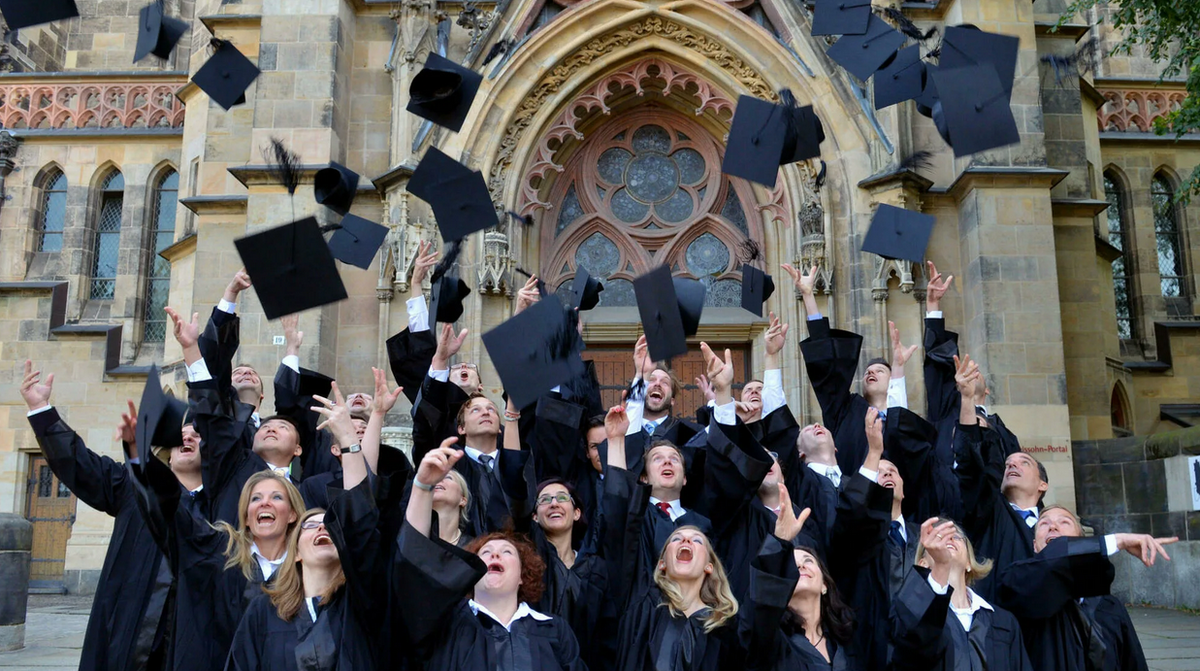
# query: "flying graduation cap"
585,290
902,78
443,91
292,268
897,233
355,241
966,45
841,17
160,417
862,55
25,13
668,316
157,33
448,289
458,195
765,136
757,287
535,351
973,112
335,186
226,75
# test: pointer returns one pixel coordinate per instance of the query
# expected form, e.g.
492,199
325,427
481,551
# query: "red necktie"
665,507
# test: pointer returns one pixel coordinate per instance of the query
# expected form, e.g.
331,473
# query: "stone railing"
1135,110
54,106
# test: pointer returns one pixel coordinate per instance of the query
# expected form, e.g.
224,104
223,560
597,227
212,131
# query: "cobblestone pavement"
55,625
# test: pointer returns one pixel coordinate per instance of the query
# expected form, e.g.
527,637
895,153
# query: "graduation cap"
765,135
841,17
443,91
448,294
535,351
356,240
689,294
973,112
458,195
862,55
313,383
160,417
929,93
897,233
964,46
335,186
585,290
291,267
902,78
157,33
25,13
226,75
804,135
757,287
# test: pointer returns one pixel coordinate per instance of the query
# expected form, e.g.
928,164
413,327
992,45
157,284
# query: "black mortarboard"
689,294
975,110
757,287
756,141
659,311
585,290
443,92
535,351
356,241
804,136
841,17
24,13
897,233
160,417
964,46
335,187
157,32
929,93
226,75
291,268
862,55
447,296
458,195
314,383
903,78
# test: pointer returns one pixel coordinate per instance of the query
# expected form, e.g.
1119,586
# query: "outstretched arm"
805,283
772,394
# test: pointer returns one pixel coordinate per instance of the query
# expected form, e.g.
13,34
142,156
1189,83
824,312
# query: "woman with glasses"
939,622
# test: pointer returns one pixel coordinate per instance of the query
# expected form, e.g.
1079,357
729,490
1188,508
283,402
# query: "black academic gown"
1044,591
291,401
996,530
930,484
446,635
409,355
831,359
129,626
345,633
1123,650
927,637
209,599
435,415
771,638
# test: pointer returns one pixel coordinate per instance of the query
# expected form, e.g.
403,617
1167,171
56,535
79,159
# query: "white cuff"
42,409
418,314
772,394
198,372
134,460
555,389
638,393
933,314
897,393
292,361
725,414
225,306
634,410
815,318
1110,544
938,587
440,375
867,473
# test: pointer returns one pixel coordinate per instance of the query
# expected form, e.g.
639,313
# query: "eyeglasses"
309,525
774,455
467,366
561,497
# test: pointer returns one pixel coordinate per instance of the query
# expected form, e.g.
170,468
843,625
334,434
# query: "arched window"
54,212
108,237
1166,236
1119,412
1121,267
162,235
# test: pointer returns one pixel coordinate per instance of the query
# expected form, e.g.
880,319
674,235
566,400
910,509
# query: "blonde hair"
464,517
1078,522
976,570
237,550
287,592
714,591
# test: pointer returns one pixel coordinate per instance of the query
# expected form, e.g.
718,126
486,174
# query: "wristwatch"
421,485
353,448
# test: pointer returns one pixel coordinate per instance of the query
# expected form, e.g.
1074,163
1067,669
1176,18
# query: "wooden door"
615,369
51,509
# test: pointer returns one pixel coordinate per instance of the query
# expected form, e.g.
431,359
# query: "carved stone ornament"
885,269
496,263
416,21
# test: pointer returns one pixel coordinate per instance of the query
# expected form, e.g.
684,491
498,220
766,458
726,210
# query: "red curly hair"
533,569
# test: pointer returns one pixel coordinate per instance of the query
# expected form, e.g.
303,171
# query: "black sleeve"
353,524
864,511
98,481
918,623
247,652
157,493
773,576
409,355
734,466
979,475
436,575
218,344
625,503
910,442
223,447
831,359
430,415
554,439
1067,569
941,392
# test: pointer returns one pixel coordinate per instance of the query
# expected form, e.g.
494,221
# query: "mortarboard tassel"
449,256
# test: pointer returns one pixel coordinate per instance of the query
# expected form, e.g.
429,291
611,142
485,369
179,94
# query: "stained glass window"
106,247
1117,232
162,235
1166,236
54,212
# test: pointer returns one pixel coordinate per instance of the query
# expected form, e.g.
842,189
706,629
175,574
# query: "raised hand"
291,336
437,463
775,336
616,423
804,283
936,288
874,429
788,524
447,346
527,295
36,393
720,373
641,358
421,265
1144,546
966,375
706,388
384,399
900,353
336,417
239,283
186,334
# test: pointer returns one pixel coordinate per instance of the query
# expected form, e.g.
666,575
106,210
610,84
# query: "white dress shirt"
834,472
523,610
268,566
965,615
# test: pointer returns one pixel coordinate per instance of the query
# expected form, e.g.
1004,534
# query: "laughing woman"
469,609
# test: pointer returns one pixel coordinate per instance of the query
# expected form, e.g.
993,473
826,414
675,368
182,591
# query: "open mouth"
684,554
668,473
439,488
495,567
655,395
187,449
264,517
555,515
1012,474
322,539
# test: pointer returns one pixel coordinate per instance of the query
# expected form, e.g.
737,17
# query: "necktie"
281,470
835,474
894,534
1029,516
486,460
665,507
649,428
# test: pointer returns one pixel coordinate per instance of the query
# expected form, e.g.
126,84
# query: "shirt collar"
523,610
822,469
1019,509
977,602
268,566
903,528
676,508
474,454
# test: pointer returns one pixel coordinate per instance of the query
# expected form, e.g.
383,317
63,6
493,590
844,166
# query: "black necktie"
894,534
487,460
